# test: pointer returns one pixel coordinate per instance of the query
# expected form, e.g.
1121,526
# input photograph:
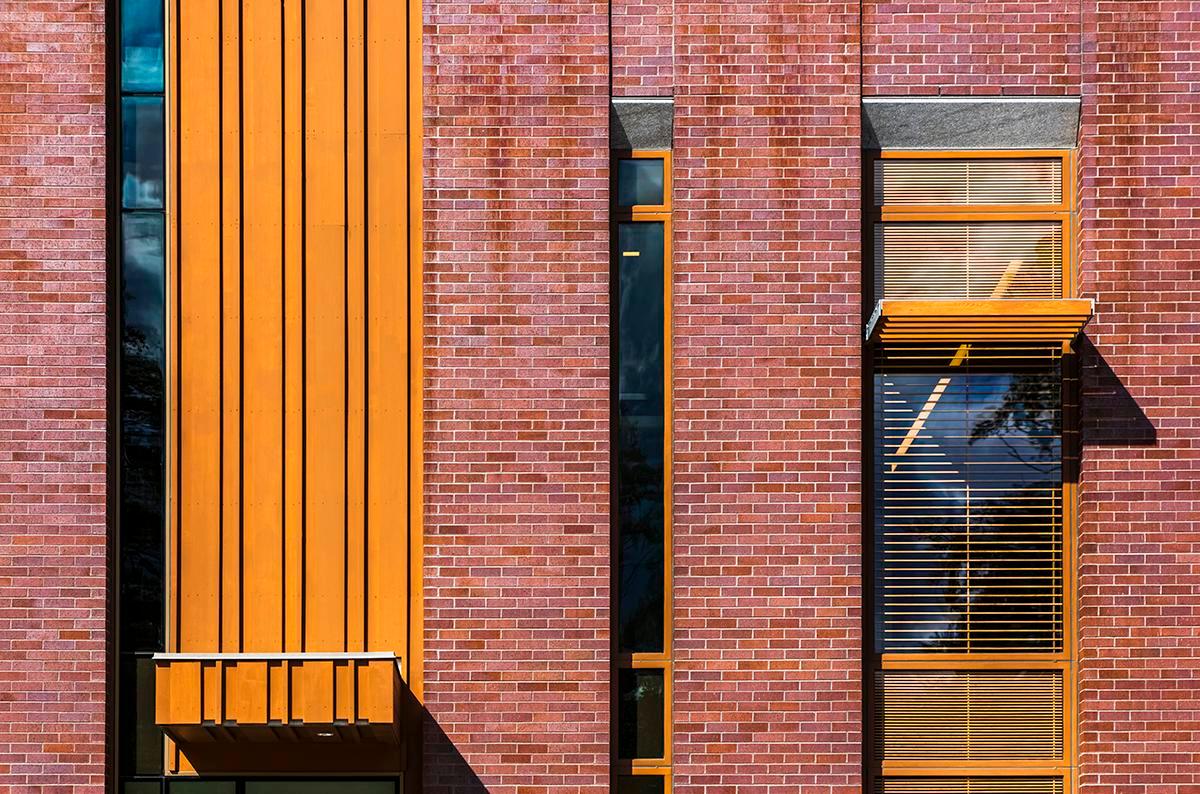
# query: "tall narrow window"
139,188
642,487
971,670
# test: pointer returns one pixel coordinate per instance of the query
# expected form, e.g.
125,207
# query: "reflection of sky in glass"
640,435
142,152
966,516
142,276
141,45
640,182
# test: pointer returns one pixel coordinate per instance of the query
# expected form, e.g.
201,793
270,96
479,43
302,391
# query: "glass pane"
141,741
639,182
322,787
640,784
968,500
141,787
641,704
201,787
142,425
142,45
142,152
640,434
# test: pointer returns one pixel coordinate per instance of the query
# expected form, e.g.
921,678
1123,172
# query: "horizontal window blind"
963,182
969,785
968,261
968,499
969,715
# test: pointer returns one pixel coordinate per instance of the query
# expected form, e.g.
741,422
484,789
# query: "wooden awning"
998,320
272,700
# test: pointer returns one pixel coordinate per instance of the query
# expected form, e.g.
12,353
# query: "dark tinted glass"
968,500
142,424
640,436
640,784
641,709
321,787
202,787
142,744
142,787
639,182
142,45
142,152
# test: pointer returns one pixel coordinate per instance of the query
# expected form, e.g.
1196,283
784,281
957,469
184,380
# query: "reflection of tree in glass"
1030,410
141,489
640,521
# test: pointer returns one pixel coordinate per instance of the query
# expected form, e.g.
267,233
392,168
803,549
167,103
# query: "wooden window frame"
1066,213
663,660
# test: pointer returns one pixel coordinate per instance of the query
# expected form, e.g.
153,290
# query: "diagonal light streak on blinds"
968,526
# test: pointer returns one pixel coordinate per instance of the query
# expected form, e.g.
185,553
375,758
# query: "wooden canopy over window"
995,320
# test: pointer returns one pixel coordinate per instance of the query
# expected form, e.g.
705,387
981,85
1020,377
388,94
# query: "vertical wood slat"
293,343
387,327
356,263
231,318
295,326
325,373
198,444
263,329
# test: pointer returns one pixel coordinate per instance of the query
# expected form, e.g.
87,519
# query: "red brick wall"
643,47
983,47
768,646
1140,510
517,501
52,397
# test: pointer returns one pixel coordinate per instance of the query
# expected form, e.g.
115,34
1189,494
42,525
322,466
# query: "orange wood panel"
387,328
415,661
356,253
293,311
231,319
325,331
262,432
197,531
299,348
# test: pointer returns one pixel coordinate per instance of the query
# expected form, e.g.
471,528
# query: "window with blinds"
970,229
968,499
970,554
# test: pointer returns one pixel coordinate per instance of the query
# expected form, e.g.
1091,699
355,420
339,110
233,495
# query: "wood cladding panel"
297,274
309,693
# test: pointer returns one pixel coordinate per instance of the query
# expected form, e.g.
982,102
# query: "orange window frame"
1066,213
664,660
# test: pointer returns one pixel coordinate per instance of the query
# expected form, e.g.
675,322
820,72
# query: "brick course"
767,377
643,54
517,561
52,397
989,47
1140,509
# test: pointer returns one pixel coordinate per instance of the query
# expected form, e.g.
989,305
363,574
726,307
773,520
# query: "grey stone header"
641,124
970,122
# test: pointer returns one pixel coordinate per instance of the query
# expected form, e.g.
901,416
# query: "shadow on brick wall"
444,770
1110,416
